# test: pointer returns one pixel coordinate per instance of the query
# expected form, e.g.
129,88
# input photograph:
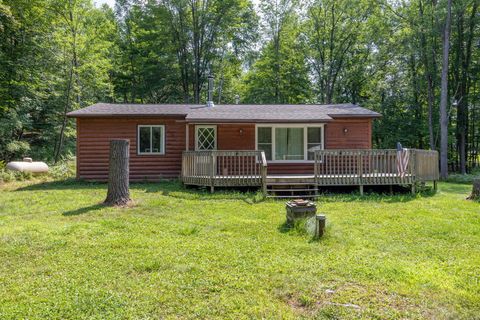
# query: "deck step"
290,183
300,196
290,190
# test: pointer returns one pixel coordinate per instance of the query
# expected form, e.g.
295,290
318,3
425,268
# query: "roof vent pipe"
210,91
237,99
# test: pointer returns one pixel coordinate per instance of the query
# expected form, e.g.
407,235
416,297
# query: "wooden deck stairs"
291,186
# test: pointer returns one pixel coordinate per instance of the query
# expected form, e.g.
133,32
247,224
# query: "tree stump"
475,195
118,192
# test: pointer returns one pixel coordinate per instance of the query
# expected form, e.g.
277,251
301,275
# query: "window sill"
150,154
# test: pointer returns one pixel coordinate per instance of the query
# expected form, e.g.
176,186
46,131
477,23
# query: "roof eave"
126,115
210,120
366,116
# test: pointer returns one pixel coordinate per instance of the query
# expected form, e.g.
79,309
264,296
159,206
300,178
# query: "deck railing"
224,168
374,167
357,167
426,165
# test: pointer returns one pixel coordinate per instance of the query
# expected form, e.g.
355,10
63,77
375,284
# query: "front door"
205,138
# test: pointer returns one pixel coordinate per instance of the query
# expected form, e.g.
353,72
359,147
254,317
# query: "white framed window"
290,142
205,137
151,139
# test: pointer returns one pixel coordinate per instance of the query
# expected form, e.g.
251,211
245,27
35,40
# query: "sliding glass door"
289,142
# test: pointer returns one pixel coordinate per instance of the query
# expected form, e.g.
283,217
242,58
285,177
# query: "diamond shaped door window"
206,138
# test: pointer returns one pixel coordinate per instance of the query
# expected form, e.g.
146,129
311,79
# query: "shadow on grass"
284,227
84,210
300,230
176,189
455,187
68,184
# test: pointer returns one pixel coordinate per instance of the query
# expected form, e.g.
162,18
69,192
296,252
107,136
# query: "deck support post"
361,189
413,188
435,185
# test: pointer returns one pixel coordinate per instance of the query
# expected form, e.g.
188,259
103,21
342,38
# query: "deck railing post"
264,173
413,169
212,172
360,171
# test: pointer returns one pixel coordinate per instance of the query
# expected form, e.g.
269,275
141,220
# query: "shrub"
8,175
464,178
60,171
18,148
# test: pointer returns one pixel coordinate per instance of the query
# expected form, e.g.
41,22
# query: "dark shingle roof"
121,109
278,112
230,113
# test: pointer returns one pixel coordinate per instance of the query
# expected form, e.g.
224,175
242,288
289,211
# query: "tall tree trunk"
464,54
61,136
73,78
444,95
118,192
429,76
416,102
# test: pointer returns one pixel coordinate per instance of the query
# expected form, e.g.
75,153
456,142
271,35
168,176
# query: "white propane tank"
27,165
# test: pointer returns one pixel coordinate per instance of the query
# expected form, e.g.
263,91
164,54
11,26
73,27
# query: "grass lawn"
188,254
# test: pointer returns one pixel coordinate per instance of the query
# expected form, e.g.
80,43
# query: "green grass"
188,254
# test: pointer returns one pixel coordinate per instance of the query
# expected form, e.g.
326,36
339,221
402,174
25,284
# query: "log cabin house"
287,150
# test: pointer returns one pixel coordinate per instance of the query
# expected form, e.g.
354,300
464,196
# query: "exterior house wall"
234,136
358,135
94,134
93,145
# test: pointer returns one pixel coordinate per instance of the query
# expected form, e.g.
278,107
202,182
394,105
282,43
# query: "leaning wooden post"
118,193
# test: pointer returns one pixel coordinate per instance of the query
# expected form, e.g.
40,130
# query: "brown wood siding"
229,136
94,134
93,139
358,136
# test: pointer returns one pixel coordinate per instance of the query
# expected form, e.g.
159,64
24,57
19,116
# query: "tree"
427,34
82,39
118,176
444,95
336,35
280,75
465,29
199,29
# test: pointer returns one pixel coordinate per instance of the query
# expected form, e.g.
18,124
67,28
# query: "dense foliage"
60,55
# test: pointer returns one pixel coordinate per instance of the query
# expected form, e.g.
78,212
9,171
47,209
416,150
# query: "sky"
111,3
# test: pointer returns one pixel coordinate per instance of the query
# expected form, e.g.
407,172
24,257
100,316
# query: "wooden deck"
331,168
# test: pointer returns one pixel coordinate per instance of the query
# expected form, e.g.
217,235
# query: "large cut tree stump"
118,192
475,190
